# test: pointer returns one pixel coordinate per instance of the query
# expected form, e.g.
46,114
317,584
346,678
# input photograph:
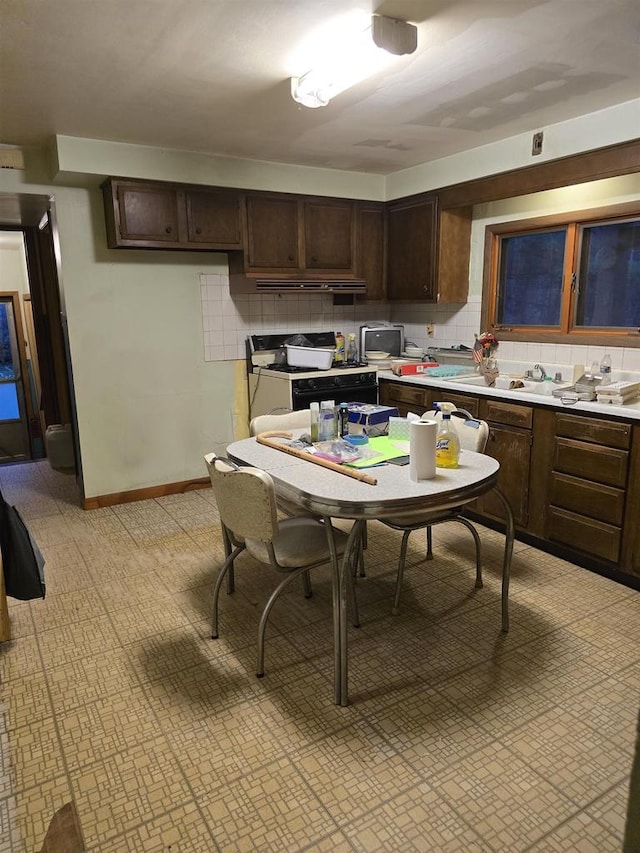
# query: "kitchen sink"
541,389
473,379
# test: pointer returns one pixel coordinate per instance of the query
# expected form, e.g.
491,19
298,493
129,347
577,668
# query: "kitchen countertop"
628,411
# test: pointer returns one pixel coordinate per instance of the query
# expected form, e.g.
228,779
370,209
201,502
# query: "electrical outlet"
430,330
536,145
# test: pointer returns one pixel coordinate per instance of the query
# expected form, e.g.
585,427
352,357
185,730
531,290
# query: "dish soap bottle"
447,444
605,369
339,356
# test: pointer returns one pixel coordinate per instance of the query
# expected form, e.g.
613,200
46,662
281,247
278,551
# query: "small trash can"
59,447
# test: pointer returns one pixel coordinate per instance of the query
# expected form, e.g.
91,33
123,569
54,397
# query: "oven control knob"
311,383
337,380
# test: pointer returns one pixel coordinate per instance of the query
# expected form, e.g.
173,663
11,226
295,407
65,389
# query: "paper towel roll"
422,450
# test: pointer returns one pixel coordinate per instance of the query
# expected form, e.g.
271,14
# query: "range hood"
269,285
246,284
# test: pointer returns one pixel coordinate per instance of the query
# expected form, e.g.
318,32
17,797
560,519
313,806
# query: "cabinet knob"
290,257
314,258
492,435
168,229
198,230
425,288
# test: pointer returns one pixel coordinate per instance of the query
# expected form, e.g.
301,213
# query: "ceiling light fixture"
371,51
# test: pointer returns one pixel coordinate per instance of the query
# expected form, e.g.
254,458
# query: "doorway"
15,393
34,365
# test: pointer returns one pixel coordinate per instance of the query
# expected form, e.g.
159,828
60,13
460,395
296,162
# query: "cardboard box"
369,419
414,368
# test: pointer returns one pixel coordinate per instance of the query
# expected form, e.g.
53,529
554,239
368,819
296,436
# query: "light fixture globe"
371,50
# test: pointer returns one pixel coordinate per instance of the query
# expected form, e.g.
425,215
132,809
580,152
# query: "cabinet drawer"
591,461
585,534
506,413
406,394
461,401
591,499
610,433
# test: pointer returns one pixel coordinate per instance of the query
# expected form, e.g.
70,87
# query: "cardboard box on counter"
370,419
412,368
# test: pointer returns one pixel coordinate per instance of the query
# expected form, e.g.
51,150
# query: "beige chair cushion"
284,421
300,541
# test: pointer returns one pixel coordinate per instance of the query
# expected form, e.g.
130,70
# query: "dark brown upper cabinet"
213,218
428,251
299,236
329,235
412,249
371,249
157,215
273,239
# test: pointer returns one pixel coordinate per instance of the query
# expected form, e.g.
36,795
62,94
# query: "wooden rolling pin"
266,438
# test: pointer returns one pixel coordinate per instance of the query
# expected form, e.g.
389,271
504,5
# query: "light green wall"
148,405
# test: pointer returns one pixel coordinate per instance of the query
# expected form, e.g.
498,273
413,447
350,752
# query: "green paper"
386,448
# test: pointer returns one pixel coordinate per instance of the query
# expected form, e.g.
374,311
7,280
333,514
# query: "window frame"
573,222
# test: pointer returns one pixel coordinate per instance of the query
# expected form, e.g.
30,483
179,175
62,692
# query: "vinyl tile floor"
457,737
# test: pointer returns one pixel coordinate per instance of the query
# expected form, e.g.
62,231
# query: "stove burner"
337,365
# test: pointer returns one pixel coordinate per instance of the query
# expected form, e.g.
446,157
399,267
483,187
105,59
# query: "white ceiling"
213,75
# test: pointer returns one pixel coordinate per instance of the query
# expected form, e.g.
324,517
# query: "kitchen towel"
422,450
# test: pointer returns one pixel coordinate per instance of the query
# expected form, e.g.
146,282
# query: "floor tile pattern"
457,738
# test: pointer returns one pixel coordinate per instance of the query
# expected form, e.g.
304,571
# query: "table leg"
508,552
348,558
340,586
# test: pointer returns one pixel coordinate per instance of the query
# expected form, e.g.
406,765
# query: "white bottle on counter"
326,426
605,369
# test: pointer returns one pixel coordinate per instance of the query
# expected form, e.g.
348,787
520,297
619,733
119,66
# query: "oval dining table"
329,494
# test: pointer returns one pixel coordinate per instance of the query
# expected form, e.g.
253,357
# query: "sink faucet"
539,369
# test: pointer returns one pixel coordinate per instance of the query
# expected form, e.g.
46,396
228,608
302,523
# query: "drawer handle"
168,229
290,257
314,258
198,230
492,435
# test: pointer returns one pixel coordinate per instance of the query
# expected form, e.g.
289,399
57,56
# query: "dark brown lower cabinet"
406,398
588,485
511,446
572,480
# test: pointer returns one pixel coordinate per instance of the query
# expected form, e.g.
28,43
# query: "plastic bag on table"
340,451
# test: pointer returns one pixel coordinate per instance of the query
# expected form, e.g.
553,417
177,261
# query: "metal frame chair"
473,435
248,515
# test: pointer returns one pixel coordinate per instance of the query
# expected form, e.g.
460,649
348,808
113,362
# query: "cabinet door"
273,240
512,448
406,398
147,214
213,218
411,250
329,235
370,250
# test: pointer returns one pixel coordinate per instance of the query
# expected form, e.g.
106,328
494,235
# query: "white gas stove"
273,384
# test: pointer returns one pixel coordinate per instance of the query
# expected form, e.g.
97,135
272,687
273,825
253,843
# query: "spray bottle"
447,441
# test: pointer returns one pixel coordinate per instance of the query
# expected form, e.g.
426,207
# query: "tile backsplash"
227,322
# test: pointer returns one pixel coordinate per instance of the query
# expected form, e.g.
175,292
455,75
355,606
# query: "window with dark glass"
609,276
530,279
573,278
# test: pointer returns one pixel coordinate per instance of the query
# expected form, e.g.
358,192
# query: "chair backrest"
283,421
246,499
472,433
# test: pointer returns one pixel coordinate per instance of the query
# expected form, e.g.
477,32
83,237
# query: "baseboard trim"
100,501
